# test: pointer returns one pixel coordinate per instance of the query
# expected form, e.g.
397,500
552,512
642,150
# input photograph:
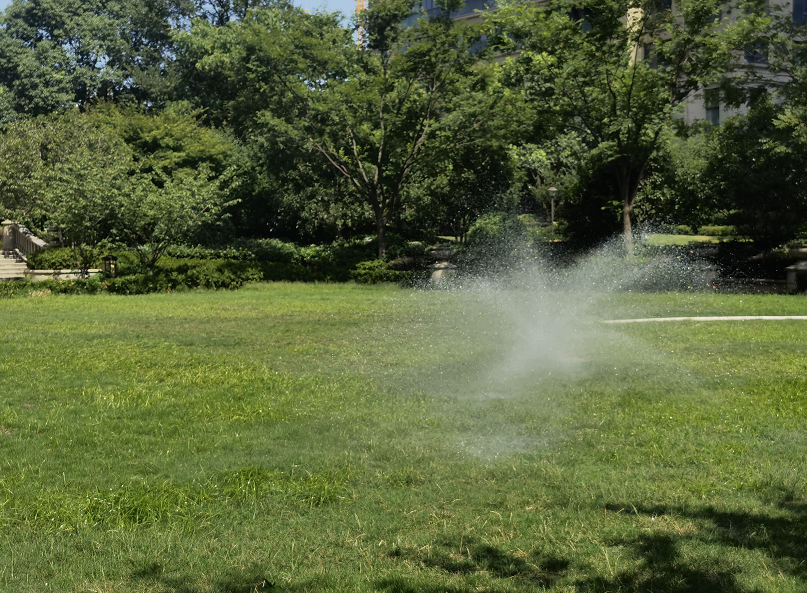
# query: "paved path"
730,318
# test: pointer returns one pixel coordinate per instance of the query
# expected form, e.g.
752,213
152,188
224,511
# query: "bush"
187,267
92,285
282,272
718,231
398,246
375,271
210,273
14,288
497,233
541,234
61,258
56,258
241,249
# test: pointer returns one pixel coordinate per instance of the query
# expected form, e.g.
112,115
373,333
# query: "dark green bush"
56,258
497,234
128,263
62,258
283,272
206,273
718,231
241,249
14,288
543,233
341,254
398,246
92,285
185,267
375,271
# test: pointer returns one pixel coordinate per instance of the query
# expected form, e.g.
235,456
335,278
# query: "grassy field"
343,438
663,240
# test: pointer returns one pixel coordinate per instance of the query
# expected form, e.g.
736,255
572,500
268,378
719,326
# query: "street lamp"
553,191
110,264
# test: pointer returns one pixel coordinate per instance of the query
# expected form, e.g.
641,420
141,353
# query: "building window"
799,12
711,100
756,54
650,55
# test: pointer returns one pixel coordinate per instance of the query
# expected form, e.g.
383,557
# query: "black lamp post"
553,191
110,264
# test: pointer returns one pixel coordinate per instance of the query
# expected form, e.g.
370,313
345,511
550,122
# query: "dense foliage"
151,124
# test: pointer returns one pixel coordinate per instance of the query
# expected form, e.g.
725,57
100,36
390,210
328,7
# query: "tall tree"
162,210
378,124
371,113
66,171
616,71
61,53
238,73
220,12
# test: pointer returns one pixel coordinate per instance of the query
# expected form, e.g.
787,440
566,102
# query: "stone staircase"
11,266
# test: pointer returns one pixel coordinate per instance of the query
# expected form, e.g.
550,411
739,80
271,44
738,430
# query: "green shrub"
56,258
683,229
497,233
268,249
398,246
128,263
206,273
242,250
92,285
375,271
250,261
283,272
14,288
61,258
543,233
718,231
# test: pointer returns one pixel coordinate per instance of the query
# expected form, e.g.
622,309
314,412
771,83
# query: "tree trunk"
627,231
628,191
381,226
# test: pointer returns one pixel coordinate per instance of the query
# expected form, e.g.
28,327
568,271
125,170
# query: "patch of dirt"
29,406
4,430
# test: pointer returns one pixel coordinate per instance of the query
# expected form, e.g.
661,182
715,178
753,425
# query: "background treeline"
146,124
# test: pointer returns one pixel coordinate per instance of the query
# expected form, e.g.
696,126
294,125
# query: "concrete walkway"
729,318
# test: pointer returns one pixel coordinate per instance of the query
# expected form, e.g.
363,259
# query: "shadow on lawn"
783,539
477,558
662,567
251,581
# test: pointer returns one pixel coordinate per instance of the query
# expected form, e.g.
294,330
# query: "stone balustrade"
18,239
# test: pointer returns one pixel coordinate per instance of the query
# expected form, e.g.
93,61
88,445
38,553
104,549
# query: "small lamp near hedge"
552,193
110,265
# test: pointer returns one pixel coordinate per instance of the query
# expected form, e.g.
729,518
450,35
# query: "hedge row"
175,274
326,260
706,230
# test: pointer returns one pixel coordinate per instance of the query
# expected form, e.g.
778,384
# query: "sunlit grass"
662,240
346,438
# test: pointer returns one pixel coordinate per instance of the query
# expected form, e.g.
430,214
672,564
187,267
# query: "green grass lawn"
343,438
663,240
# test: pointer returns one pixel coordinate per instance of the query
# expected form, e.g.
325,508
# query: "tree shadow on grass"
250,581
782,538
404,585
478,558
663,572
